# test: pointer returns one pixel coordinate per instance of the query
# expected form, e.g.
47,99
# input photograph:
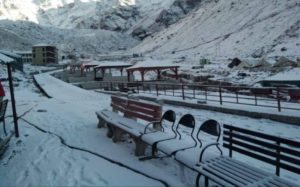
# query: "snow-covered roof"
43,45
9,53
113,64
291,75
150,63
23,52
5,59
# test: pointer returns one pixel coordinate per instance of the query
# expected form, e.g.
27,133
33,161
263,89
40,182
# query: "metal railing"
270,97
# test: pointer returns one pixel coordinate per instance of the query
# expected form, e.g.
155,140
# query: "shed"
284,62
17,59
249,63
152,65
291,77
235,62
263,63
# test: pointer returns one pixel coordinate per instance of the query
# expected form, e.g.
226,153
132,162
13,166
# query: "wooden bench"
226,171
294,94
3,106
118,125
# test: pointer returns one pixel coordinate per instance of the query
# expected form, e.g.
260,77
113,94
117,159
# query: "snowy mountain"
22,35
237,28
83,26
169,28
116,15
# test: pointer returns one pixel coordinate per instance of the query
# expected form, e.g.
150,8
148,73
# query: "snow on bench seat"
230,172
119,125
190,157
170,146
130,125
151,138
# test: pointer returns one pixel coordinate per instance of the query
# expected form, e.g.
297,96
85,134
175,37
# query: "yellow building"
43,54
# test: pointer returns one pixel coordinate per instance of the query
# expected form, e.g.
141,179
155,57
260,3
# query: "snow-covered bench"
226,171
118,125
183,141
3,106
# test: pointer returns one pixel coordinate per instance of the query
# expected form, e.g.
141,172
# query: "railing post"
165,90
220,94
194,94
173,90
206,94
237,96
182,87
111,86
278,100
278,158
255,99
230,142
137,87
156,85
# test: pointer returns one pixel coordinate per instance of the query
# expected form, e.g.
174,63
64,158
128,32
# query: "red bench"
294,94
119,125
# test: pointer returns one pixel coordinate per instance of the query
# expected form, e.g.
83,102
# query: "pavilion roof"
152,64
5,59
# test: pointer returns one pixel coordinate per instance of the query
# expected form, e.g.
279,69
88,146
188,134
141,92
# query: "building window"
33,55
43,49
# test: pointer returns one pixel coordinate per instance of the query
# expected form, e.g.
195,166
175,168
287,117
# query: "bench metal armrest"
183,149
150,123
207,146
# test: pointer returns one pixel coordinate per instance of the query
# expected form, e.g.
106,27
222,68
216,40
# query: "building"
17,63
43,54
26,56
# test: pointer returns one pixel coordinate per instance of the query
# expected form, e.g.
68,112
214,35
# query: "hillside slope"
21,35
237,28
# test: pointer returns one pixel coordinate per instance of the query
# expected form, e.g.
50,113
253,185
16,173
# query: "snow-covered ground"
60,144
229,29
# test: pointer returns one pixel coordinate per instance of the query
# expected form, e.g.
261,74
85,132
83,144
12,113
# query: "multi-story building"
26,56
43,54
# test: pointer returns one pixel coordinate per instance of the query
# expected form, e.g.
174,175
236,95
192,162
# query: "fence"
270,97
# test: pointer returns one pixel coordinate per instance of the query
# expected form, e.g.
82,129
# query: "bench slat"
262,135
250,169
224,175
236,172
141,116
140,109
241,170
263,143
264,151
118,107
144,104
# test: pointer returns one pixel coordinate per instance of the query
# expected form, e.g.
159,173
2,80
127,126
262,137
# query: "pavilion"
110,65
152,65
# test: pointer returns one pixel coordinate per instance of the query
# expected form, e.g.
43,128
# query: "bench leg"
117,134
140,147
101,122
4,129
110,131
157,126
206,182
198,180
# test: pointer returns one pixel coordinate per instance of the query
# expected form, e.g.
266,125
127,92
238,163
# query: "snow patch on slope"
230,29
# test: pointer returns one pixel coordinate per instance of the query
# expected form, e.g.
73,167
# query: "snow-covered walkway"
60,143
